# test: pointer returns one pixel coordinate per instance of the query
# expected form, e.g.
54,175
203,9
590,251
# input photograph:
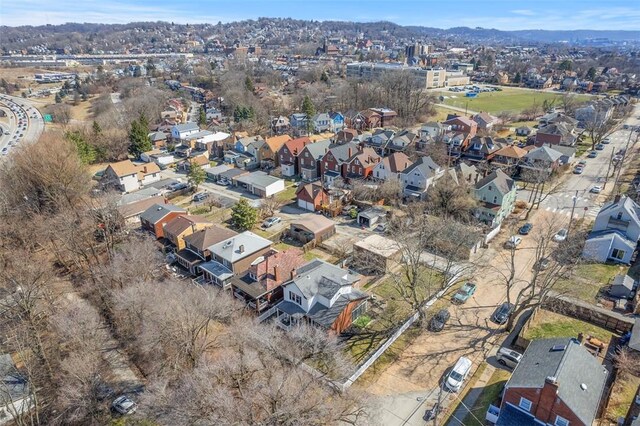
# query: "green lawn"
514,100
490,394
549,324
288,194
588,279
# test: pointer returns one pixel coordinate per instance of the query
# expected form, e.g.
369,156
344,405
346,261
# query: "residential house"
557,382
558,117
321,294
555,134
310,159
361,165
389,167
232,257
468,173
321,122
434,130
299,122
182,225
541,158
260,288
312,196
280,125
568,152
379,140
402,141
496,194
180,132
132,205
260,184
335,158
337,121
372,119
355,120
162,158
386,116
288,155
485,120
312,228
15,395
508,157
346,135
457,143
158,139
127,177
481,148
523,131
417,178
462,124
155,217
196,246
268,153
594,113
615,233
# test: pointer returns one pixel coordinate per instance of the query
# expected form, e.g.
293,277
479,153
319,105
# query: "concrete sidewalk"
471,397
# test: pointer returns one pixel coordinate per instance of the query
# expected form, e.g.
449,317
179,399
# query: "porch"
214,273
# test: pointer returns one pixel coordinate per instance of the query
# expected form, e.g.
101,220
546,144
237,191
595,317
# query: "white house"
433,130
615,233
184,130
417,178
127,177
391,166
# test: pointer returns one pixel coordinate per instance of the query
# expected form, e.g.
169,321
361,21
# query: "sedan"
513,242
599,147
502,313
596,189
561,235
525,229
200,196
578,170
592,154
271,221
439,320
124,405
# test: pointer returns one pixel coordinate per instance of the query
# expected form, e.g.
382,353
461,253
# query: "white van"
458,373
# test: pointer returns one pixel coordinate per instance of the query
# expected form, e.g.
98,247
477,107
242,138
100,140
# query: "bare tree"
270,205
598,129
451,197
542,185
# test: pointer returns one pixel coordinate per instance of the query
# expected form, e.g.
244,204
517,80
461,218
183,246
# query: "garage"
305,205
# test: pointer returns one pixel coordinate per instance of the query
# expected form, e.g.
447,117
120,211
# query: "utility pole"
624,156
606,178
573,208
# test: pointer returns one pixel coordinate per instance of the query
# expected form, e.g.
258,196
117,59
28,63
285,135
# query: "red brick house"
288,155
355,120
386,116
557,382
462,124
310,159
155,217
361,165
372,119
334,162
260,287
311,197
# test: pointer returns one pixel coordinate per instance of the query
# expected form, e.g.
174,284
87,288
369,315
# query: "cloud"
525,12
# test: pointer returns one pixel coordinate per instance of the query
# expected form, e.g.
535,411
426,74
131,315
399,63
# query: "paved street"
16,110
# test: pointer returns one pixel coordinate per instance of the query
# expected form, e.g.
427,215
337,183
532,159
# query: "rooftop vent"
558,348
583,386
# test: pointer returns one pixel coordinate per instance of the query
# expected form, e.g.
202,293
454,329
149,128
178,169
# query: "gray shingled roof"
543,153
185,127
320,277
341,152
156,212
503,182
318,149
425,164
574,368
229,249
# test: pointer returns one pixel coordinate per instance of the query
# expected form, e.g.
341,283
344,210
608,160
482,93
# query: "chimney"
293,273
580,337
276,274
241,248
349,152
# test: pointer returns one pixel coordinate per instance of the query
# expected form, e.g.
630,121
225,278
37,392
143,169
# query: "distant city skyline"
498,14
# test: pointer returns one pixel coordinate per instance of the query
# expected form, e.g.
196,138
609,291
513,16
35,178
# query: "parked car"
578,170
200,196
606,141
124,405
177,186
458,374
439,320
513,242
508,358
596,189
582,163
464,293
271,221
382,227
525,229
224,182
599,147
593,154
561,235
502,313
542,264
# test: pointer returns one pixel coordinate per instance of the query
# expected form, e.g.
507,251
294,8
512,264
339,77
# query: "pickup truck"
464,293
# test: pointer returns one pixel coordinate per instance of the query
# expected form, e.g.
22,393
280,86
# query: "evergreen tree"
58,98
202,118
324,77
248,84
310,111
86,152
196,175
139,136
244,216
518,78
591,74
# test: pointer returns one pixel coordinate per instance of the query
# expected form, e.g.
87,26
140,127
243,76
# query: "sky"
499,14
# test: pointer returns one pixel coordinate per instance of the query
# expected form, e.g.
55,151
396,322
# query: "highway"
595,172
21,123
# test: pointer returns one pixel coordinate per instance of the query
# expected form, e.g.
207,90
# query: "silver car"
124,405
508,358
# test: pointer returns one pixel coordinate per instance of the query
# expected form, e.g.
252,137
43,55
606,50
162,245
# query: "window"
525,404
489,188
295,298
495,199
618,254
306,154
561,421
619,216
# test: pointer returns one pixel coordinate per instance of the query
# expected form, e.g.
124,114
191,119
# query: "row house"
335,160
288,155
390,167
310,159
419,176
196,246
361,165
179,227
155,217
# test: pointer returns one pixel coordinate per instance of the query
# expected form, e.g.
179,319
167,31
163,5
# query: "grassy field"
548,325
514,100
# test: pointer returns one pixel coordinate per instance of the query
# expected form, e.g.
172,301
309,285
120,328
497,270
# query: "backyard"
546,325
509,99
587,280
